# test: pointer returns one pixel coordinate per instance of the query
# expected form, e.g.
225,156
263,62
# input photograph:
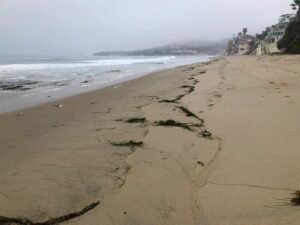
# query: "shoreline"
174,147
69,91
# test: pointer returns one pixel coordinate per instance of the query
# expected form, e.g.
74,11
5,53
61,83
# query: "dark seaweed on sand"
173,123
136,120
296,198
131,144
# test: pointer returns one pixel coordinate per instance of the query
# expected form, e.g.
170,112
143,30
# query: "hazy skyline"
83,27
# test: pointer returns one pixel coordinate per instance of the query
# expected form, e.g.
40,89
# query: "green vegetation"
291,40
264,34
296,6
290,43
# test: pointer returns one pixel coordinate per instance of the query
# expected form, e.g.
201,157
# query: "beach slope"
212,143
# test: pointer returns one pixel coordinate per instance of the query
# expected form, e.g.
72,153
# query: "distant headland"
180,48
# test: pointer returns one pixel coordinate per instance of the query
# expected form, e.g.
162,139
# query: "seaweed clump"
54,221
173,100
191,88
186,86
206,134
296,199
131,144
188,113
136,120
173,123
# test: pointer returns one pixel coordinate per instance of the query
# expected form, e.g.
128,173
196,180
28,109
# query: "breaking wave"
81,64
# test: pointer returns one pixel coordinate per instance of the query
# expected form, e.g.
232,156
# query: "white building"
287,18
277,31
242,44
275,34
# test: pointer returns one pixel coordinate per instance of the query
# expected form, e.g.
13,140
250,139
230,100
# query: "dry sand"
58,160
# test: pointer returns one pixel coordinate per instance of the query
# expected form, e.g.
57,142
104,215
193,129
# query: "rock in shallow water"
16,85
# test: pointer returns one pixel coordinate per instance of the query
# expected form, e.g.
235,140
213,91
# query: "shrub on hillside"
290,43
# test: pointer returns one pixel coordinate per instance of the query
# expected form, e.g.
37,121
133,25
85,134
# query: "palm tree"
296,6
245,30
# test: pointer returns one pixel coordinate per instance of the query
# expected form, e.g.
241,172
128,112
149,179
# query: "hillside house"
277,31
275,34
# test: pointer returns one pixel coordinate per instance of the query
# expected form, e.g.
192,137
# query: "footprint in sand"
188,69
218,95
60,125
200,163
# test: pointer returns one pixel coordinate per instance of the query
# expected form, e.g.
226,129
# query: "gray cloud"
83,27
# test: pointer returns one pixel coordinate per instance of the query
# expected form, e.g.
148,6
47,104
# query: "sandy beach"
205,144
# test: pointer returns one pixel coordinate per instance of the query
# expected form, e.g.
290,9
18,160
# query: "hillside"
181,48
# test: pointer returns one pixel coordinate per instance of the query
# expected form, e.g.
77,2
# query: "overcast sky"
85,26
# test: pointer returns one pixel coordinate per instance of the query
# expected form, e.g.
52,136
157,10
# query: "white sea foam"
32,80
90,63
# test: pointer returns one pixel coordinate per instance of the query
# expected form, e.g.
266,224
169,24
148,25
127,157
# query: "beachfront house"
275,34
241,44
244,44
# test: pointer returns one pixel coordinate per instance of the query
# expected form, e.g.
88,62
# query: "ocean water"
28,81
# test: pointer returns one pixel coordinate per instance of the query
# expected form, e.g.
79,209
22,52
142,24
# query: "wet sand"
210,144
